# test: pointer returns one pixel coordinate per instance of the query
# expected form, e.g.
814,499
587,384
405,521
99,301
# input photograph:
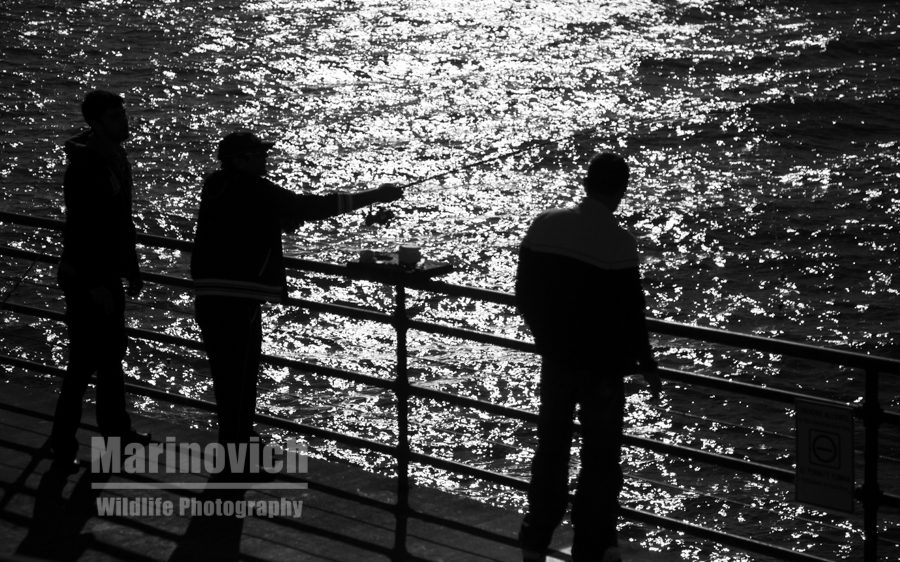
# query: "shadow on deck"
346,511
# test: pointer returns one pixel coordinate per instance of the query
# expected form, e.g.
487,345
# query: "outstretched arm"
298,208
384,193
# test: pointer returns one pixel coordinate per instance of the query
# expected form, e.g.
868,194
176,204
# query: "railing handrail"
718,383
664,327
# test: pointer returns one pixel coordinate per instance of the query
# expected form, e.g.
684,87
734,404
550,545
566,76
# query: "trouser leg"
112,415
548,489
97,342
67,415
232,335
596,506
247,392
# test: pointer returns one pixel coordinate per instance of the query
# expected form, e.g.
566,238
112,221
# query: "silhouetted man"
237,265
578,288
98,252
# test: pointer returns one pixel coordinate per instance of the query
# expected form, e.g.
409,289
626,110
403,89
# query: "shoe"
64,462
611,554
137,437
64,466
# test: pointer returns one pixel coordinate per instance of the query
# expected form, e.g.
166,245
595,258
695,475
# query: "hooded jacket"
99,235
237,243
578,287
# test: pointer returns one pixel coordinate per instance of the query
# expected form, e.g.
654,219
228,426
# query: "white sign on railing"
825,475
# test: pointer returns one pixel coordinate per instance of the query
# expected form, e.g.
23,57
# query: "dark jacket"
578,288
237,244
99,234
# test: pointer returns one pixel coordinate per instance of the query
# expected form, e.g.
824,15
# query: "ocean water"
763,143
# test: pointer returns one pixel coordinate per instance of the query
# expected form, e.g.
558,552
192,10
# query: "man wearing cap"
578,287
237,264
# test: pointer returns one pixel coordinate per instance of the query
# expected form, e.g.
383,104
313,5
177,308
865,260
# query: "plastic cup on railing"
408,255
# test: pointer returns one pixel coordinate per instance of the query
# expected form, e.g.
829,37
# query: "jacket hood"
86,145
77,146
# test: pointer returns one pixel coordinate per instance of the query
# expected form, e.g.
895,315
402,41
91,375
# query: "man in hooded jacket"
98,252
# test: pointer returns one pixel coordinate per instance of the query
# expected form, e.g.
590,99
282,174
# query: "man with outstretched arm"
98,252
237,265
578,287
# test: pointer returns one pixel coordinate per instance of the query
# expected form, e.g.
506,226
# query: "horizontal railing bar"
343,310
468,470
474,403
339,309
779,473
354,312
776,395
721,537
27,254
890,417
666,327
193,344
464,291
775,345
889,500
142,390
169,280
637,515
471,335
718,459
737,387
321,370
327,434
885,499
31,220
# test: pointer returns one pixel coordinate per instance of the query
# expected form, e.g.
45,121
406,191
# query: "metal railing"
869,494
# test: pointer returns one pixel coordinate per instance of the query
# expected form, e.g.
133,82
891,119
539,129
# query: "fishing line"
484,160
382,216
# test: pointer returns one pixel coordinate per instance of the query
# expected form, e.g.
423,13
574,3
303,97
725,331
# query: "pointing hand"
389,192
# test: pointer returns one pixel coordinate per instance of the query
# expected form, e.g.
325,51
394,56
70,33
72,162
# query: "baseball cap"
241,142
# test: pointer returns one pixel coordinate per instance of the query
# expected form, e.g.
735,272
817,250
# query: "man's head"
607,178
243,151
105,113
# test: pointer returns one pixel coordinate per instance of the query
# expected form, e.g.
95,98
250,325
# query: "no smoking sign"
825,455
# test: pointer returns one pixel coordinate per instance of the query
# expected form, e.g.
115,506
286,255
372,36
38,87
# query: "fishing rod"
384,215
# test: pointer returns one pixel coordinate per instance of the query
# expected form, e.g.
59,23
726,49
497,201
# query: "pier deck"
343,517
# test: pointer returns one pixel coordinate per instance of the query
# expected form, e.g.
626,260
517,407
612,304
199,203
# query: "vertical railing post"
401,391
871,491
